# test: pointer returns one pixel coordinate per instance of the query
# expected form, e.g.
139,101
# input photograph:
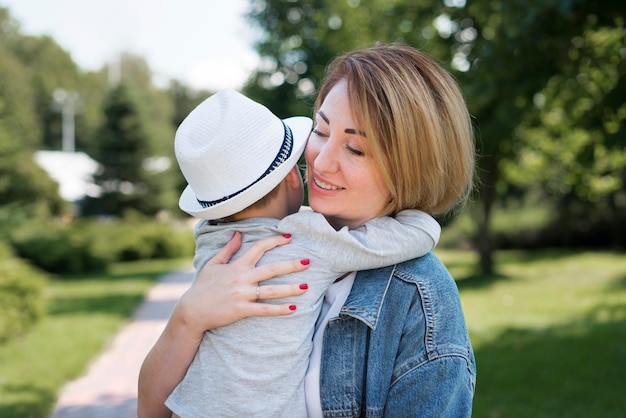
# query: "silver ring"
258,291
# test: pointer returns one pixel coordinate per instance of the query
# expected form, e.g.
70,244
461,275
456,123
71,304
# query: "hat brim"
301,127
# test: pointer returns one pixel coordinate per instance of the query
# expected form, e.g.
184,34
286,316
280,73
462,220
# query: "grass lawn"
549,333
84,312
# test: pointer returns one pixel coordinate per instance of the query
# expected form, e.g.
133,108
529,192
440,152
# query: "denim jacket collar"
366,298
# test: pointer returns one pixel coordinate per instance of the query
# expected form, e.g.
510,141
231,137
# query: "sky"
206,44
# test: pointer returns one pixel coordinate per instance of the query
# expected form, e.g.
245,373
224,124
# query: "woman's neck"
339,223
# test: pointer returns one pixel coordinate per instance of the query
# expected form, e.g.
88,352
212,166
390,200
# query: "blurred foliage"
573,145
85,246
121,148
60,248
121,120
25,189
524,62
32,68
543,80
84,312
21,295
151,238
300,37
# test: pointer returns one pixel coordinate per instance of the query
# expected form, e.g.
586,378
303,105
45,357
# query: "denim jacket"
400,347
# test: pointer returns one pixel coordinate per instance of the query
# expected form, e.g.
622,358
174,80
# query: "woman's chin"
314,205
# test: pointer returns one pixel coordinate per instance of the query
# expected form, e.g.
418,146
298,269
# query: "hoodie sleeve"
380,242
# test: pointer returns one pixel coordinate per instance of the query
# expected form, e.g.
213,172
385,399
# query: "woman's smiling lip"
325,185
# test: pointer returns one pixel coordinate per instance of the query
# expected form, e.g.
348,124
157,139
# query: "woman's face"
344,183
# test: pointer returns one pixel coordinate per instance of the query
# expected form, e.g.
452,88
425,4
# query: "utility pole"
115,70
67,103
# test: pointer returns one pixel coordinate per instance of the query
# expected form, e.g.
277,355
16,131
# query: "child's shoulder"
304,217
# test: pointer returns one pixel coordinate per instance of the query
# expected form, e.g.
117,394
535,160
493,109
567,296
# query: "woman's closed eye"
351,149
355,151
318,132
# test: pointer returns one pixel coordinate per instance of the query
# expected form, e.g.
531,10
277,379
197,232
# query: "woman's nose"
326,160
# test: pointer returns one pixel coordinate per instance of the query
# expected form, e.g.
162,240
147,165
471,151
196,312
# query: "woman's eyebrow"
349,131
355,132
323,116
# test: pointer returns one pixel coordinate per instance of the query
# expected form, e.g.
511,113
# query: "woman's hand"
222,294
227,292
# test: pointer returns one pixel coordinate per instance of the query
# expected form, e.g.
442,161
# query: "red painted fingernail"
304,286
292,307
287,236
305,262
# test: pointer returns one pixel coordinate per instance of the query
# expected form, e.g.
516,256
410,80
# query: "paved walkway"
109,388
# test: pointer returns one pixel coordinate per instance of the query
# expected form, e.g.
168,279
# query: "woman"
392,132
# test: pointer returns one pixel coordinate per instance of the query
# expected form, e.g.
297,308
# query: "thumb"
226,253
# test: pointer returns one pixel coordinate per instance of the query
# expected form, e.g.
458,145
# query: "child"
240,162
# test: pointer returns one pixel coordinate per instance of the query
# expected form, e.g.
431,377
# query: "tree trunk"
487,198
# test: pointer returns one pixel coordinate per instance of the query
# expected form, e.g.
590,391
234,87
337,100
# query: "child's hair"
259,204
414,114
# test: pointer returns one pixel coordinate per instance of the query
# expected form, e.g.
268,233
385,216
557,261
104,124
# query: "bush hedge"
143,239
59,248
85,246
21,294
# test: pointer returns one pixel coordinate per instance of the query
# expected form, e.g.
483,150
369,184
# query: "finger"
256,251
281,291
227,252
279,268
268,309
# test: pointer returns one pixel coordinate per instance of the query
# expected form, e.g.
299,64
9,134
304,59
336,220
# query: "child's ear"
293,177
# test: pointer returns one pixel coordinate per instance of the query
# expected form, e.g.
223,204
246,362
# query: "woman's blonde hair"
416,120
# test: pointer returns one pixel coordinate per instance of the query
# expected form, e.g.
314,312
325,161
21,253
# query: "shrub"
60,248
141,239
90,245
21,295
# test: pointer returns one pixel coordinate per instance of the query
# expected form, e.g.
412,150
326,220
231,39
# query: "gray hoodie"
255,367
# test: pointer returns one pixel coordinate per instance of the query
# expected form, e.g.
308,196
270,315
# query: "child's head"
233,152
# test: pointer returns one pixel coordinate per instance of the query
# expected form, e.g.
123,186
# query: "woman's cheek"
311,151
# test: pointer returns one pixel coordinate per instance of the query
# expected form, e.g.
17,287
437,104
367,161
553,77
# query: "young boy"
239,160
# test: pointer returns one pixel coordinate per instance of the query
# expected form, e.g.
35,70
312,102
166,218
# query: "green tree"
507,56
31,69
25,189
37,53
156,104
122,148
573,143
514,53
301,37
46,67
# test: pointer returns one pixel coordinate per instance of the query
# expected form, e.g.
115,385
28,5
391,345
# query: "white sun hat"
233,151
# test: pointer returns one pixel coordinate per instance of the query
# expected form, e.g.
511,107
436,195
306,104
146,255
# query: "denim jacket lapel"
368,292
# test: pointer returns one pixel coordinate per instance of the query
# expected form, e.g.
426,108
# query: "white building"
72,170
